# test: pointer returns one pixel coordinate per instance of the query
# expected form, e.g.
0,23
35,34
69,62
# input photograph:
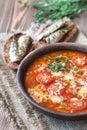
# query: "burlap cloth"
16,113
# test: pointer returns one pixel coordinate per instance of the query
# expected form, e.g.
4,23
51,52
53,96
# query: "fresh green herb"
54,9
75,68
67,60
64,59
55,67
58,59
59,64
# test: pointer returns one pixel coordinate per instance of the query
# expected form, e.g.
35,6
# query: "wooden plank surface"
14,16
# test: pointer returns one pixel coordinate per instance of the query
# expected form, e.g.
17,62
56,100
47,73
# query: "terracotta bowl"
30,58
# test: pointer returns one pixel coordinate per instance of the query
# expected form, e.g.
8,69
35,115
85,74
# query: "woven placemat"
16,113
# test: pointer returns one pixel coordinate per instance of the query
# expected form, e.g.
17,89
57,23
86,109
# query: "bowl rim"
68,46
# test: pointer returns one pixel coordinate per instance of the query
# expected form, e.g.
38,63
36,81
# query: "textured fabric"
16,113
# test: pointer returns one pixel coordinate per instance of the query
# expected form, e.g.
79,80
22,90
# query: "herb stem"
54,9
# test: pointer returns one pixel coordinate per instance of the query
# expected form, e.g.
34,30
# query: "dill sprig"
55,9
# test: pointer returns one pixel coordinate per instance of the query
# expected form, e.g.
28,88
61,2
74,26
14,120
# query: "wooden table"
14,16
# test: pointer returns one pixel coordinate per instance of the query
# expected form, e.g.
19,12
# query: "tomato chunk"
84,77
79,60
78,104
44,77
56,88
53,88
67,95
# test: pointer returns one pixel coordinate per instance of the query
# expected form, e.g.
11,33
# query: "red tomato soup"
58,81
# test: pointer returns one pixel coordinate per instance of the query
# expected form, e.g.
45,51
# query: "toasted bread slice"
6,49
70,35
66,38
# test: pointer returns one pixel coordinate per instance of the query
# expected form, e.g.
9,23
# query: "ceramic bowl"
30,58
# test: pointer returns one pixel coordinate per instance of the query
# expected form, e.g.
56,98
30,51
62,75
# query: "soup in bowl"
54,79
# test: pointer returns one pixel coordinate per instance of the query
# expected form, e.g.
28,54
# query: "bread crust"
70,35
66,38
6,49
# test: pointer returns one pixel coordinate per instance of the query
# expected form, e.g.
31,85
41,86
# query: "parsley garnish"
59,64
75,68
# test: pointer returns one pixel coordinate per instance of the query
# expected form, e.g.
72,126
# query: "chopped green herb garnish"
63,59
58,59
59,64
75,68
55,67
68,60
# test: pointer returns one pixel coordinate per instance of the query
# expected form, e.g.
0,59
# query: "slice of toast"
6,49
68,37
